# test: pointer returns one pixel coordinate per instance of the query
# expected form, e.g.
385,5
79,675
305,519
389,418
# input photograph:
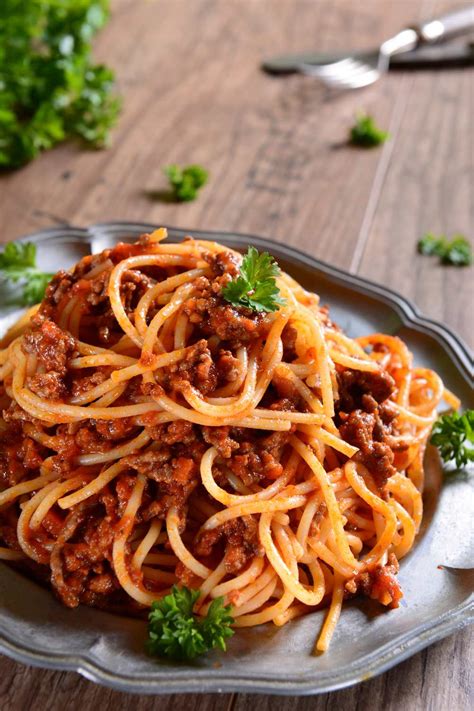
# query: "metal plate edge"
366,667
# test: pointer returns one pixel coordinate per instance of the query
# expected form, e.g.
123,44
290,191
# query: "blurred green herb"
49,88
366,133
175,632
185,182
453,434
18,264
457,251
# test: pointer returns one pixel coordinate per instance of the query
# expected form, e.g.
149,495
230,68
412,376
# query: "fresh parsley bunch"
366,133
255,287
175,632
457,251
49,88
18,264
185,182
453,434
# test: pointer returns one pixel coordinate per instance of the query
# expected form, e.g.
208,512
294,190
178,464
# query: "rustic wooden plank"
193,92
438,678
188,72
24,688
429,187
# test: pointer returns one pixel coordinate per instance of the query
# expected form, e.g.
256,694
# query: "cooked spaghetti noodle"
153,433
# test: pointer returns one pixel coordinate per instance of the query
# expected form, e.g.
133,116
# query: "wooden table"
275,147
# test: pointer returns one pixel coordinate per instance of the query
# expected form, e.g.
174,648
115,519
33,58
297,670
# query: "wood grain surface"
280,167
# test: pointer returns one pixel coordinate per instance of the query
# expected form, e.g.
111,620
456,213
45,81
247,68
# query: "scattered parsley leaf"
429,244
453,434
49,88
185,182
175,632
18,254
18,264
457,251
366,133
255,287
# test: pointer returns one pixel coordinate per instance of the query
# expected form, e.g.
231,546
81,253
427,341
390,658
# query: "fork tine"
366,79
322,70
352,69
353,82
340,70
356,71
335,68
345,74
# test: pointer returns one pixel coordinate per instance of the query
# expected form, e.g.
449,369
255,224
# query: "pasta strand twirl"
157,430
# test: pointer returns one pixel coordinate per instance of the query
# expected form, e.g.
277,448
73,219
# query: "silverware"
449,54
363,68
468,573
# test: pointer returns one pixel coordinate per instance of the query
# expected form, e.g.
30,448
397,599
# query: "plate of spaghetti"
182,416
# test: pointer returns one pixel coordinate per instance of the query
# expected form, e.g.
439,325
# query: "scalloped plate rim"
365,667
404,306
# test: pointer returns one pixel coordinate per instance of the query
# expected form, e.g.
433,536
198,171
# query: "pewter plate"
108,649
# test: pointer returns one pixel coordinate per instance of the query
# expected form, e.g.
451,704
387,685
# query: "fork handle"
446,26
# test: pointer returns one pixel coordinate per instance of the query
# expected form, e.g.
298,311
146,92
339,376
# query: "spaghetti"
153,434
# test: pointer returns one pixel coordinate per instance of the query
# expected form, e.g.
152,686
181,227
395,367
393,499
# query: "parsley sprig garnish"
457,251
185,182
255,287
175,632
453,434
366,133
50,89
18,264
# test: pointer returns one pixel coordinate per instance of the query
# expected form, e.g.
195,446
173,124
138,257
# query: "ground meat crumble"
365,417
241,542
379,584
81,569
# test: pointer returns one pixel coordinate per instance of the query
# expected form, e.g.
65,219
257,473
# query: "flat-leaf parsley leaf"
49,88
255,287
18,264
456,251
453,434
175,632
366,133
185,182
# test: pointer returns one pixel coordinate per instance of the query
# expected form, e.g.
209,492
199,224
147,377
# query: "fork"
364,68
